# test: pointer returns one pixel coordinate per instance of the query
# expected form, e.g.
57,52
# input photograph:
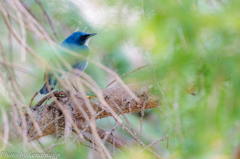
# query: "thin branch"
30,105
125,75
140,142
6,128
56,94
166,118
146,147
110,138
142,114
48,18
22,27
40,143
15,67
53,145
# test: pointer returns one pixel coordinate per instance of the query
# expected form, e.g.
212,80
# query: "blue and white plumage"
78,43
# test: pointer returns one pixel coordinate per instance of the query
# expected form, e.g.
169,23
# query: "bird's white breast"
87,41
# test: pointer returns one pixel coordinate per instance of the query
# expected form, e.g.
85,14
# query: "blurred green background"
192,47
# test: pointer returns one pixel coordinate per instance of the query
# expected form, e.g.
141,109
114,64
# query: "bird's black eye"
81,37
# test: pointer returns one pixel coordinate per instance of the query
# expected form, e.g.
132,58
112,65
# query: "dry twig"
48,18
125,75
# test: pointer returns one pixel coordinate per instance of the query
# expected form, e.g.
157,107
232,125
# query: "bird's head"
79,38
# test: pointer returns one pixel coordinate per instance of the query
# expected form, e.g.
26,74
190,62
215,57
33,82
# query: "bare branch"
48,18
6,128
125,75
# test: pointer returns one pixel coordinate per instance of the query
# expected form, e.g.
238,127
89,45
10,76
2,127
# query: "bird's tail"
52,83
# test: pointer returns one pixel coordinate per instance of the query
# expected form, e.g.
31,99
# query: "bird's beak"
90,35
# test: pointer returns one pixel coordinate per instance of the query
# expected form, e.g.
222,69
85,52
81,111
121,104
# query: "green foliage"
193,48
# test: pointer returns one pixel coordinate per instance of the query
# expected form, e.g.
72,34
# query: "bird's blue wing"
79,63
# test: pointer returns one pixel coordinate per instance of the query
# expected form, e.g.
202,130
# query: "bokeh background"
191,47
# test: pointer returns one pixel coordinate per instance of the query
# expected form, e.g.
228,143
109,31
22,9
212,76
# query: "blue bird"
78,43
